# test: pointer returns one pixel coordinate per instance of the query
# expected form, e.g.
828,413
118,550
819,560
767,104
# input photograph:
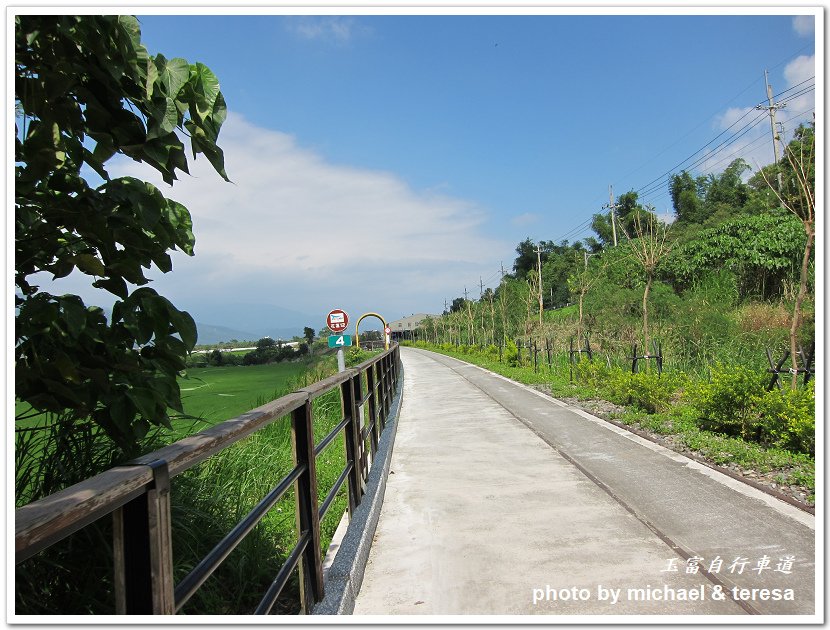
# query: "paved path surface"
502,500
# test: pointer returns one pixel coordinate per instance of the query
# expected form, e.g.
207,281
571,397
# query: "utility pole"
771,108
539,262
612,207
780,126
481,305
502,298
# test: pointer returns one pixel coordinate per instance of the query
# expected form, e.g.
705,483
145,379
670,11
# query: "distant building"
407,327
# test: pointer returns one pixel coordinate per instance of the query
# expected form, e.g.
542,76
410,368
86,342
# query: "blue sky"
386,162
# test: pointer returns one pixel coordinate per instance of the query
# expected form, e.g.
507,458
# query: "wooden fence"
137,494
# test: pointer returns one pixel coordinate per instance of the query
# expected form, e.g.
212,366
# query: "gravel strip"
762,480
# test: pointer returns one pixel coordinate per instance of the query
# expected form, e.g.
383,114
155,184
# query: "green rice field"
215,394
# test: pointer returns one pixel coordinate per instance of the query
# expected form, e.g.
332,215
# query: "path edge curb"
345,576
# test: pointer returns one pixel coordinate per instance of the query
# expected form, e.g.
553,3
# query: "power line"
659,178
658,186
660,181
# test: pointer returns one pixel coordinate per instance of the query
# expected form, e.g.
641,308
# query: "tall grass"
75,576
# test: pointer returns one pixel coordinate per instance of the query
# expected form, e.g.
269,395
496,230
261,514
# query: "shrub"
729,402
593,373
788,418
736,403
356,356
650,391
511,353
491,352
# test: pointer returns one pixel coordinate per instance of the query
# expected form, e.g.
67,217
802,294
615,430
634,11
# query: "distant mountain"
214,334
245,322
234,320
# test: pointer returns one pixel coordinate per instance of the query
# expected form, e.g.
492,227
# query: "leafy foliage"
735,402
761,250
86,89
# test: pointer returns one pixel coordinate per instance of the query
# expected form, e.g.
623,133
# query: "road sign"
337,320
387,330
339,341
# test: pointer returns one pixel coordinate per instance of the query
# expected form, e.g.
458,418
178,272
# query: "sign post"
340,341
338,320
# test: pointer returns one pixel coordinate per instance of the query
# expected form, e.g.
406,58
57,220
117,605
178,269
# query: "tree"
581,281
458,304
527,261
601,225
687,204
797,194
266,343
649,247
626,212
86,89
727,191
308,334
215,358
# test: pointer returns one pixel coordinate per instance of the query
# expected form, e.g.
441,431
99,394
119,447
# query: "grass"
215,394
679,421
208,501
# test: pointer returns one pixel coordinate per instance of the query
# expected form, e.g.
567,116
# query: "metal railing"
137,495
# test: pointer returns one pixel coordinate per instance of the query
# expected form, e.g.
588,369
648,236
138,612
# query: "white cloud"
800,69
755,143
337,29
799,108
301,230
804,25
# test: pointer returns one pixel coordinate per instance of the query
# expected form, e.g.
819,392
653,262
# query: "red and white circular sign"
337,320
387,330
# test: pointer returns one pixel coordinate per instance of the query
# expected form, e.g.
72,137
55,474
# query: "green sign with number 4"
339,341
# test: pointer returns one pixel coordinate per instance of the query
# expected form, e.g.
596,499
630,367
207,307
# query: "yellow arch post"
357,329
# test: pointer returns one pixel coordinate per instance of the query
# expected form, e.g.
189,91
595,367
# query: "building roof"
409,323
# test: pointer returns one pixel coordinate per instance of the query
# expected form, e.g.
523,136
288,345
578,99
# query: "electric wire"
657,188
657,184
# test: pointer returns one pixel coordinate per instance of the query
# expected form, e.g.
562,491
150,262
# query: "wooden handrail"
42,523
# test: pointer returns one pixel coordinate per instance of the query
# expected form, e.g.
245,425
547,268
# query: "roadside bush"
729,402
649,391
511,353
735,403
491,352
593,373
356,356
788,418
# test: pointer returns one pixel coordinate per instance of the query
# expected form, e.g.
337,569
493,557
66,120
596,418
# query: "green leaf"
144,400
132,27
206,89
184,325
152,77
172,75
74,315
89,264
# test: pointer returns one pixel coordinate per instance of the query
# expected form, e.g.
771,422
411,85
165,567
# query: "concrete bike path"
501,500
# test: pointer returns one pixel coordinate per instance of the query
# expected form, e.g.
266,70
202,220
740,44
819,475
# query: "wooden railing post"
307,509
358,396
371,392
143,552
352,435
387,385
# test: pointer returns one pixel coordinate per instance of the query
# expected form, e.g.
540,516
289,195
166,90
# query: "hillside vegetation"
680,324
